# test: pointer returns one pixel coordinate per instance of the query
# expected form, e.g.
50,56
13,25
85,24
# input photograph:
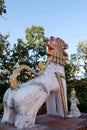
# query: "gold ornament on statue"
41,66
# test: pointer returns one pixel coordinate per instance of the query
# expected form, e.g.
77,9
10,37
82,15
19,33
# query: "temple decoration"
74,111
42,67
56,51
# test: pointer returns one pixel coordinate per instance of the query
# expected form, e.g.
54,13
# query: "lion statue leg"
28,101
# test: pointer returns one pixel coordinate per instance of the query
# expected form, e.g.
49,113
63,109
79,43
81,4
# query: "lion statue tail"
13,79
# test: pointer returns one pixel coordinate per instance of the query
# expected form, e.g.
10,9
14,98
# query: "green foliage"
36,42
4,59
69,70
83,103
79,60
2,7
19,54
4,66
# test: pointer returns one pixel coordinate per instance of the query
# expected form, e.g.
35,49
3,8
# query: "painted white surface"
74,111
22,104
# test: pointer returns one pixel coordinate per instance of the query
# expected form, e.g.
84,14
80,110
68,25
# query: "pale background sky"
66,19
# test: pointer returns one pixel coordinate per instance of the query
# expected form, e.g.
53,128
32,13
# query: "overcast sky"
66,19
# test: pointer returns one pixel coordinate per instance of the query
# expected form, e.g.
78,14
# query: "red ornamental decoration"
56,50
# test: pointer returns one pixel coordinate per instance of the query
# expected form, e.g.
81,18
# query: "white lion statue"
22,101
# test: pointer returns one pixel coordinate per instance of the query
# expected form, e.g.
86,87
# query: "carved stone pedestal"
45,122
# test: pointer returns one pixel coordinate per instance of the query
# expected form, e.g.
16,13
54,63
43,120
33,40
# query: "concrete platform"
44,122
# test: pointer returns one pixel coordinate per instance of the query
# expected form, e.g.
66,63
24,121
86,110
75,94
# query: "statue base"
44,122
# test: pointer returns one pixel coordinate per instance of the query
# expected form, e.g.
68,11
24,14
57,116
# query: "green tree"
4,58
82,51
80,60
36,42
4,65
